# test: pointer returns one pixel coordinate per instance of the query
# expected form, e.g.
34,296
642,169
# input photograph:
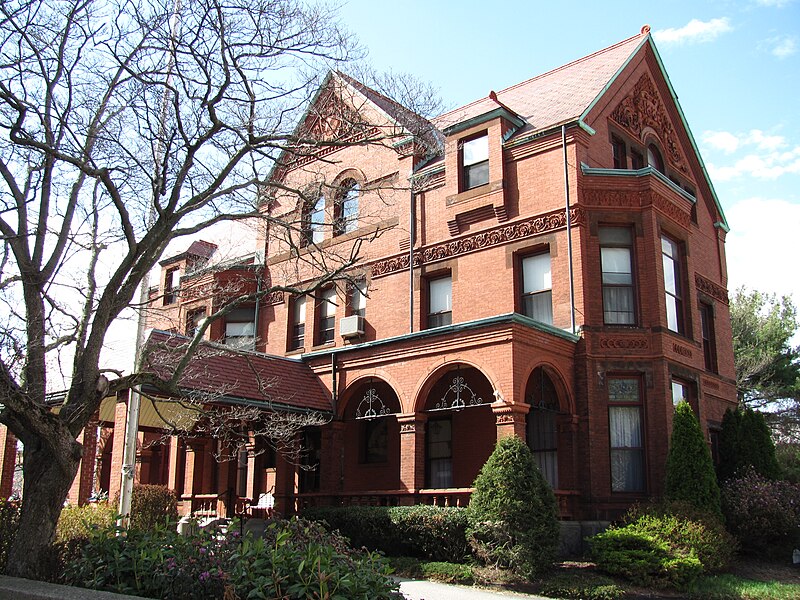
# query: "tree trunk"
48,478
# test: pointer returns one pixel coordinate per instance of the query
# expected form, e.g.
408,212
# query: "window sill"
295,351
323,346
476,192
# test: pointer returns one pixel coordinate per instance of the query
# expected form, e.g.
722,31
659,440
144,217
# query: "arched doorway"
371,437
542,424
460,430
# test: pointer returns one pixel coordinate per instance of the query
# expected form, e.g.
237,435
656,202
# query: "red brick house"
480,306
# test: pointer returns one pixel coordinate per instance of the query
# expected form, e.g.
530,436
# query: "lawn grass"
731,587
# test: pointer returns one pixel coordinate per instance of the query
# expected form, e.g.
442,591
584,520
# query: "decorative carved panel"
485,239
682,350
408,427
275,298
643,108
612,198
671,210
712,289
624,343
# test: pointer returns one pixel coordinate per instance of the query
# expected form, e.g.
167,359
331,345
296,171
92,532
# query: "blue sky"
735,66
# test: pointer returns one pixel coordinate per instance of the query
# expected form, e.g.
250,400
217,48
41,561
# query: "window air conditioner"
352,326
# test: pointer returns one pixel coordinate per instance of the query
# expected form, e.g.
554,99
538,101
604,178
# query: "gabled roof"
223,374
558,96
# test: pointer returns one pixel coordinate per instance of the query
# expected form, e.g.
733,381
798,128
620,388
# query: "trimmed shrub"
448,572
153,506
664,545
295,560
9,523
690,471
77,522
512,514
431,532
590,586
643,558
746,443
763,514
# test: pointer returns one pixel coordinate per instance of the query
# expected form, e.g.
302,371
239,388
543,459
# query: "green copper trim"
492,114
587,170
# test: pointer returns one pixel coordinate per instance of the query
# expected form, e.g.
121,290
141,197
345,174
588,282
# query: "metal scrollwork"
371,406
458,396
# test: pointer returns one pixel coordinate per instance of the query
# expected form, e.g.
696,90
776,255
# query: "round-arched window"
654,158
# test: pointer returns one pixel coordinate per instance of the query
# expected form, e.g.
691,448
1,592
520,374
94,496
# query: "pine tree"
746,443
512,514
690,472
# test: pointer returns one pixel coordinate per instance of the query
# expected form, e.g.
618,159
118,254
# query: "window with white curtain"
297,329
671,259
625,432
440,453
537,283
616,266
240,328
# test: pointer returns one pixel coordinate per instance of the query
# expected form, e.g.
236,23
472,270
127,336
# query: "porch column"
412,453
118,448
83,484
174,455
8,460
510,419
251,467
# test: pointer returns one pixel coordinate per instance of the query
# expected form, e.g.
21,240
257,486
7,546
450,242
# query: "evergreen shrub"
9,523
690,471
512,515
153,506
788,456
746,443
78,522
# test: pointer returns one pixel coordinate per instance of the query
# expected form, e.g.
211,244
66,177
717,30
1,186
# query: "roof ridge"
551,71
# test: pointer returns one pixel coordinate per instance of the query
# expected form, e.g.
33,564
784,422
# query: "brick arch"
434,375
348,395
351,173
566,402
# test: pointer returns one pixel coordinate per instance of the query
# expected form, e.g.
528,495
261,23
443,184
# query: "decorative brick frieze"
673,211
612,198
682,350
624,343
494,237
710,288
274,298
643,108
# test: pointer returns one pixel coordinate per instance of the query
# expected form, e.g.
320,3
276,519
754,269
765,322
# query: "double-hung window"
475,162
346,208
626,434
616,265
709,341
297,329
240,328
314,222
326,311
440,301
358,299
671,260
171,286
537,283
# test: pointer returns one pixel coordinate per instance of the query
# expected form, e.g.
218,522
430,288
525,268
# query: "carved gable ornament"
643,108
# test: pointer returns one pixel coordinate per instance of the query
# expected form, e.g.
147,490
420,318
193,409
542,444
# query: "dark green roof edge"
507,318
488,116
587,170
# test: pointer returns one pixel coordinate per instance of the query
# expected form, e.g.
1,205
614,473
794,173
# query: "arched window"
314,222
542,426
654,158
346,207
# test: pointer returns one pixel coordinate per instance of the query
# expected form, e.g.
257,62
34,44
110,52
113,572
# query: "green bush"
643,558
78,522
690,471
585,587
664,545
788,456
295,560
153,506
434,533
512,514
746,443
9,523
763,514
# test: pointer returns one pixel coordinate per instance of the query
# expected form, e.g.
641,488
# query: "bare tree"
125,125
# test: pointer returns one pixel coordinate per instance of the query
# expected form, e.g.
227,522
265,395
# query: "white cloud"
781,46
774,3
694,31
770,156
761,241
721,140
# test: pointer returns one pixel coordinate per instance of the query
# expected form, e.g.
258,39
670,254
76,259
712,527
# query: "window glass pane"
318,220
536,274
669,247
240,329
627,470
672,313
618,305
623,390
678,393
476,175
300,310
539,306
616,265
358,299
670,284
441,295
328,303
476,150
614,235
623,421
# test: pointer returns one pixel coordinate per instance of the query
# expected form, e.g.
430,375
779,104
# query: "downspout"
256,310
411,235
569,232
334,388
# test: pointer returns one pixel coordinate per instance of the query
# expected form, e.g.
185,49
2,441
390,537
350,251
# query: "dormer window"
475,161
171,286
346,208
654,158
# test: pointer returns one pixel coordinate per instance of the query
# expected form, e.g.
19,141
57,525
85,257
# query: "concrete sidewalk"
429,590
